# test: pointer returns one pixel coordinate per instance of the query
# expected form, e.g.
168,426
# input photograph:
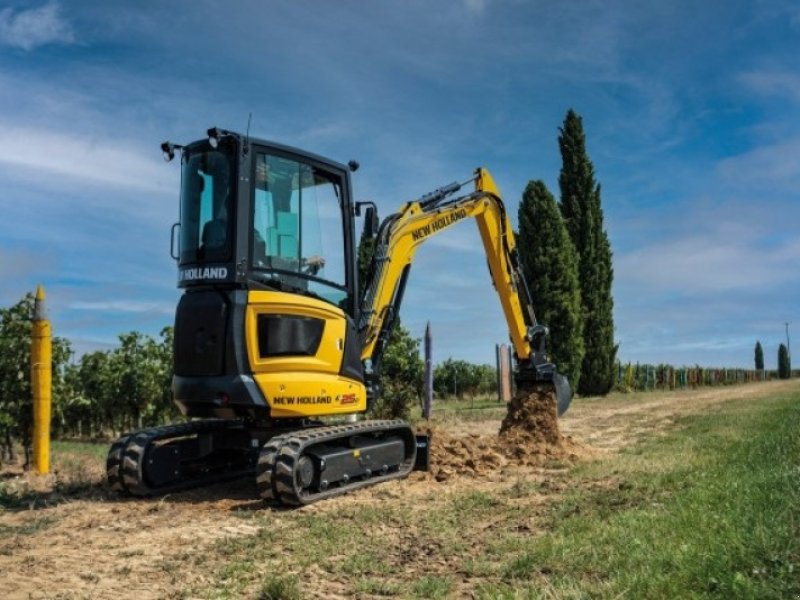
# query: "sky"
691,112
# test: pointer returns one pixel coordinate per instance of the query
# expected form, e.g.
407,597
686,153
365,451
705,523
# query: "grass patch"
80,450
277,587
475,502
77,468
32,527
432,587
378,587
523,488
709,511
12,499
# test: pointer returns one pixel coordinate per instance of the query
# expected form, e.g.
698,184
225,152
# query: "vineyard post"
41,383
426,409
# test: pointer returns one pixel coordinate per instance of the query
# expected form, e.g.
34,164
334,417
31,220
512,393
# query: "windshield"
206,212
297,227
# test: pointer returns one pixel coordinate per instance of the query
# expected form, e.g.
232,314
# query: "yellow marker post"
41,383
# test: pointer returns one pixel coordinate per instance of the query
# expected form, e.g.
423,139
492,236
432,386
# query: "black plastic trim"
288,335
226,396
351,358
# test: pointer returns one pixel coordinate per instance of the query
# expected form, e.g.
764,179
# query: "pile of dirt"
532,416
471,456
529,435
530,428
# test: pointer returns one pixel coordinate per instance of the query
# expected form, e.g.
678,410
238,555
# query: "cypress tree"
784,367
583,215
759,357
550,266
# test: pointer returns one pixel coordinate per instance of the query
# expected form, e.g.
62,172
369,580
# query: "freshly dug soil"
529,435
471,456
530,429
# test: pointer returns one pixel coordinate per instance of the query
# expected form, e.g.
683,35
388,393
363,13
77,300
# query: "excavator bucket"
546,374
563,393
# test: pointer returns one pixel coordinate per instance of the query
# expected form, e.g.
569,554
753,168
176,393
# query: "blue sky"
690,110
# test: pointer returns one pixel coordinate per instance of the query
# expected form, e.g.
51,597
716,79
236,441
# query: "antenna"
247,134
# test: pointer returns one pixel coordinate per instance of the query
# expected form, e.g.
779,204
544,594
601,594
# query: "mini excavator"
272,334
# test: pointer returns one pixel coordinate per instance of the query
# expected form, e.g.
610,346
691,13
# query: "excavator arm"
396,242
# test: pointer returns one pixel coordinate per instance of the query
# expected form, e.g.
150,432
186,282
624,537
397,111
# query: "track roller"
301,467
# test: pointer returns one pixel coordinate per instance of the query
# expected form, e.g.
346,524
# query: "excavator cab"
265,327
257,213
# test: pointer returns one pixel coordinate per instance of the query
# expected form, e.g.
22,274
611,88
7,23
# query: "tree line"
103,392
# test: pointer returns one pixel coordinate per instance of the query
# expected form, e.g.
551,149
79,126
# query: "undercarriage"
292,467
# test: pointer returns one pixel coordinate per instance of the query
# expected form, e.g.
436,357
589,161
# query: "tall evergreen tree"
784,366
550,265
583,215
759,357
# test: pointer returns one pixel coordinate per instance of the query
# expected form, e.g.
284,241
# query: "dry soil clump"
471,456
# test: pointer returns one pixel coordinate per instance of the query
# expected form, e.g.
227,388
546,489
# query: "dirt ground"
92,545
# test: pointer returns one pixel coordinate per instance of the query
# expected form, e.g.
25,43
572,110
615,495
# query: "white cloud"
29,29
711,263
464,239
780,83
769,165
476,7
49,152
125,306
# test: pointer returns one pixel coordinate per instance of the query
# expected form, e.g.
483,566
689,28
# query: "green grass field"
710,511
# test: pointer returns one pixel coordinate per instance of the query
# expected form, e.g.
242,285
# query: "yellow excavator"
273,334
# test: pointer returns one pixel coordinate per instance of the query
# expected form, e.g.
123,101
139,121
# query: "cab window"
297,226
206,207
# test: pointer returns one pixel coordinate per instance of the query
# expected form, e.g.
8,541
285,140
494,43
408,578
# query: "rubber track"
278,460
125,462
266,464
114,464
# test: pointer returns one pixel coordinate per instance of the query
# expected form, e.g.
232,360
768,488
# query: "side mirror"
371,221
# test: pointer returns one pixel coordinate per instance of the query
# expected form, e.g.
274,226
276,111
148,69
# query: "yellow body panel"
303,386
303,394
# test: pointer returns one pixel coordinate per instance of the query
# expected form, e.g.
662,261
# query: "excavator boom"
397,241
